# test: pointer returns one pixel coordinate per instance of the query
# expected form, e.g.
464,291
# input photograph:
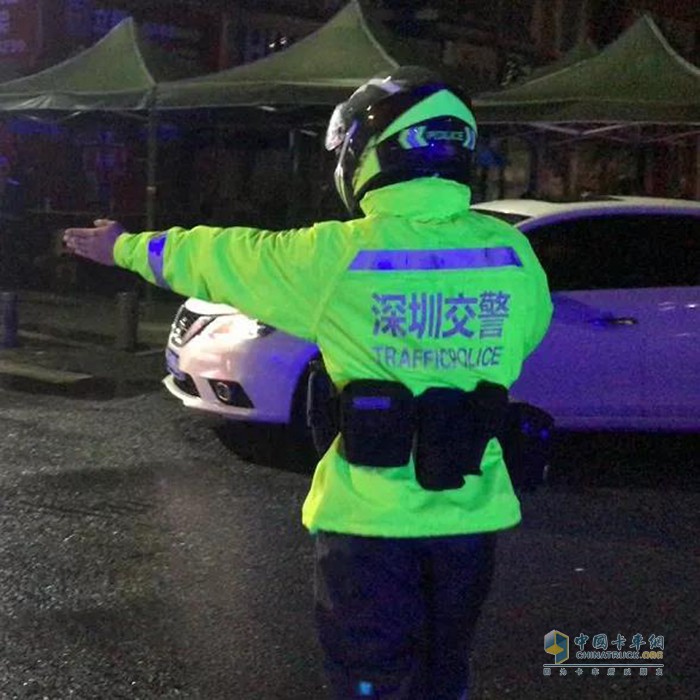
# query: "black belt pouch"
527,444
376,423
443,438
454,428
489,406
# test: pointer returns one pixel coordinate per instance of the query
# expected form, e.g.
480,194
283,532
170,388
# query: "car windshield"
504,216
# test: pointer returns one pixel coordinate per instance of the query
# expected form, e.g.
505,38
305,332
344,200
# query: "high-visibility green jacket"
422,290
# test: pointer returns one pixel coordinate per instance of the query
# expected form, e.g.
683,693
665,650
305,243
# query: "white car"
623,350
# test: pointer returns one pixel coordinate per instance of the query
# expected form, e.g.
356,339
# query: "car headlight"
236,328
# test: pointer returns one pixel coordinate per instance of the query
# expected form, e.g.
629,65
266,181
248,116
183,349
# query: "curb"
41,374
90,388
88,340
34,379
42,380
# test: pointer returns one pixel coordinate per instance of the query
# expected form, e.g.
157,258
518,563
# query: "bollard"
127,321
9,320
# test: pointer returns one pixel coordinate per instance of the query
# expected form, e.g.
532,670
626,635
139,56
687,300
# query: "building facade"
491,44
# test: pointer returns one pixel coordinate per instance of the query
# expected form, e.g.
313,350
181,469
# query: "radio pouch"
441,441
527,445
376,423
454,428
490,407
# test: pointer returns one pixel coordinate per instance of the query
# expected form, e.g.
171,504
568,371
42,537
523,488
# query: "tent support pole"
294,189
573,174
641,168
536,145
151,187
151,170
697,168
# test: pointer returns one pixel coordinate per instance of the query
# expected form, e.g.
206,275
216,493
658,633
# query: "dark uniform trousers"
395,617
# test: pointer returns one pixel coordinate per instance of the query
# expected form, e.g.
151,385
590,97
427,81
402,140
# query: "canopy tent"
636,80
581,51
117,73
292,91
321,69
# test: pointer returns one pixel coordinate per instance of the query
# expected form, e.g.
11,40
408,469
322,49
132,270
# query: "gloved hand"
96,244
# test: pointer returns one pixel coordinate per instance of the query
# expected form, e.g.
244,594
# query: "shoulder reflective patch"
455,259
156,250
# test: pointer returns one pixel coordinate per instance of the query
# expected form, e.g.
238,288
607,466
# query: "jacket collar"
424,199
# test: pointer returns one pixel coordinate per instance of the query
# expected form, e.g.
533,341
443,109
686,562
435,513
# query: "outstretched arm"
278,277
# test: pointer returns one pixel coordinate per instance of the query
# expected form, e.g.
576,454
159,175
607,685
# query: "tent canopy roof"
323,68
638,78
581,51
118,72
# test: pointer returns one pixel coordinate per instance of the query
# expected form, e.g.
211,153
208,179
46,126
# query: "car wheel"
288,447
266,444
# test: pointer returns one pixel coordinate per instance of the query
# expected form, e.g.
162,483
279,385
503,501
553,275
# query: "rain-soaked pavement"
140,558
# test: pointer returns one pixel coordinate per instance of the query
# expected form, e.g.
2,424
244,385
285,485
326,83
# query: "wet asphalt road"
140,558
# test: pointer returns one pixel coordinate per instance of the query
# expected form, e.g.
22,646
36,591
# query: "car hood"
207,308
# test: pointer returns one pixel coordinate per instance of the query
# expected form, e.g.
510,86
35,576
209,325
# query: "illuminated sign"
190,34
19,29
193,35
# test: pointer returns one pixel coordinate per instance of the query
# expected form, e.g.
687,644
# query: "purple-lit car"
623,351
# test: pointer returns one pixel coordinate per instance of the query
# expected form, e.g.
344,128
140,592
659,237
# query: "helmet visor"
337,128
343,174
355,106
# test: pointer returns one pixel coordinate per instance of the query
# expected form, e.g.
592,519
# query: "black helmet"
397,127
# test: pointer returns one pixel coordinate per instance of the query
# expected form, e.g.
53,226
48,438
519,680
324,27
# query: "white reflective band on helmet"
335,134
386,84
344,188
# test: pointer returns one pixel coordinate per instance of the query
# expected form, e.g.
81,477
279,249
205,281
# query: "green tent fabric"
637,79
321,69
9,71
581,51
119,72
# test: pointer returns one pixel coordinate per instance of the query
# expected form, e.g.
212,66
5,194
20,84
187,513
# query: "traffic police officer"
424,312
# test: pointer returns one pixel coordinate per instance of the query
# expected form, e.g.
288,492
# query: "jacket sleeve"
277,277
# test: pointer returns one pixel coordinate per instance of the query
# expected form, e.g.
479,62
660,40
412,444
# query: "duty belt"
381,424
